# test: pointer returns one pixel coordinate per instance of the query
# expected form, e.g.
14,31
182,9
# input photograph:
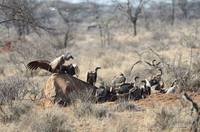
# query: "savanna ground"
176,46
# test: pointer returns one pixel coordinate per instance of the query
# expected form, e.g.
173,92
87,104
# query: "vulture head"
97,68
153,62
136,78
121,74
68,56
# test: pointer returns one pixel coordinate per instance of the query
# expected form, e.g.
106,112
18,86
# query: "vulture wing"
42,64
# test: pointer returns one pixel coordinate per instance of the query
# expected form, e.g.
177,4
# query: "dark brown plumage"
92,76
42,64
71,69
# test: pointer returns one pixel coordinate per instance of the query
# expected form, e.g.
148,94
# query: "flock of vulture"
119,88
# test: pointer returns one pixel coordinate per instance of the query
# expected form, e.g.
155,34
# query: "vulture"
146,87
125,87
118,80
156,82
56,66
170,90
92,76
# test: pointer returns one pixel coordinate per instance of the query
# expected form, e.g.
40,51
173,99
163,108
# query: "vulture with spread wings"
56,66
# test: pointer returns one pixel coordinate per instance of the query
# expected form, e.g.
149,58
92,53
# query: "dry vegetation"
115,49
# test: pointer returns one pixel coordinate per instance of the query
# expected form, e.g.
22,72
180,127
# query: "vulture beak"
71,57
121,74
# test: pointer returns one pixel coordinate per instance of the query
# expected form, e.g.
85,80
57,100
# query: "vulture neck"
96,69
173,84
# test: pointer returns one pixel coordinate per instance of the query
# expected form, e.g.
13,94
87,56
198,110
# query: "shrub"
82,109
11,89
164,119
82,95
13,112
125,106
53,120
88,110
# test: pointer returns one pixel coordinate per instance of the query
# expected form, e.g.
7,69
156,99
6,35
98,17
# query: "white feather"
147,83
171,90
55,62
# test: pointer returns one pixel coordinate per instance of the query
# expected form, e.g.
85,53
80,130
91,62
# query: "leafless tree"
21,14
133,9
68,15
183,5
68,28
103,23
173,12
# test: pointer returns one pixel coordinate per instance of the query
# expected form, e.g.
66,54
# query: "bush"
11,89
82,110
164,119
82,95
101,113
53,120
87,110
125,106
14,112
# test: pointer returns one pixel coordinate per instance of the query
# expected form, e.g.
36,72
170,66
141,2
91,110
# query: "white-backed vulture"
92,76
54,67
135,93
104,94
125,87
146,88
156,82
170,90
118,80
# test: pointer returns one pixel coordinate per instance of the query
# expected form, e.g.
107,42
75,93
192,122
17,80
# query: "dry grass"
173,46
114,117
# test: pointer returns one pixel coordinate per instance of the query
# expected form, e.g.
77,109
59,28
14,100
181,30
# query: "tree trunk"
185,13
66,39
173,12
135,27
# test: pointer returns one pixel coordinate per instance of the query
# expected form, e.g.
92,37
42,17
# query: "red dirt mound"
165,99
